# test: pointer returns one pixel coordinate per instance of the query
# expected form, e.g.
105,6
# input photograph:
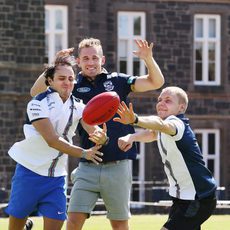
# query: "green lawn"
137,222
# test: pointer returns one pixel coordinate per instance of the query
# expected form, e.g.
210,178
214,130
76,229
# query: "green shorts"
112,182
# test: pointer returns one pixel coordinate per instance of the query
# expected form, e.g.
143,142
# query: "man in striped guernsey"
191,185
39,179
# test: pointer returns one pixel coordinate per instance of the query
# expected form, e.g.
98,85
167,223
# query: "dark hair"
60,61
49,73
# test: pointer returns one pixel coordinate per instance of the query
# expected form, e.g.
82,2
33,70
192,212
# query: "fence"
157,199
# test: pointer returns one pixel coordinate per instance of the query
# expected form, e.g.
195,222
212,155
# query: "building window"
131,26
138,172
207,49
55,30
209,142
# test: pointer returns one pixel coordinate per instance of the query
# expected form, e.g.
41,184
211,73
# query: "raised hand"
99,136
127,115
65,52
65,56
144,49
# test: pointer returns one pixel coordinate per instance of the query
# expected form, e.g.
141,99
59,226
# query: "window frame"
129,38
205,41
52,31
206,156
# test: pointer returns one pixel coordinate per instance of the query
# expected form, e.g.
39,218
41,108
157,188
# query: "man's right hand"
93,154
127,115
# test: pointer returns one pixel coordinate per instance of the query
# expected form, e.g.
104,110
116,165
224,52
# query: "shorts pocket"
73,175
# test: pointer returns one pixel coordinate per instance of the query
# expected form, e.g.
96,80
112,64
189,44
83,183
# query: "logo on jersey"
35,114
31,109
108,85
33,104
83,89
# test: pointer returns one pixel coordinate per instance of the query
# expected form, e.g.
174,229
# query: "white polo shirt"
188,177
33,152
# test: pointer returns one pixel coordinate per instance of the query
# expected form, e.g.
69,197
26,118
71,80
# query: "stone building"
191,47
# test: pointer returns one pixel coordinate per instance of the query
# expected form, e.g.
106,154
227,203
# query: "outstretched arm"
39,86
127,116
154,78
126,142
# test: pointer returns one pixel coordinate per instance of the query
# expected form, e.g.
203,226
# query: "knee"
69,224
72,224
75,221
120,225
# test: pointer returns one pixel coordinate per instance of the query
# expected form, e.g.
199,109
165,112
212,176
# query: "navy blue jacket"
105,82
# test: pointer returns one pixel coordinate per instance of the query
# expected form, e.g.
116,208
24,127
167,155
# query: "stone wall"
21,60
168,23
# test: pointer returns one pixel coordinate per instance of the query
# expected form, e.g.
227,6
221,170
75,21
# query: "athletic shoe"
29,224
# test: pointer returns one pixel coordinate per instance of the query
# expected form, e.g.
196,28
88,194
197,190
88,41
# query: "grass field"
137,222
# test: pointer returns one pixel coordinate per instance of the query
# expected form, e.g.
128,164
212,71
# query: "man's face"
168,104
90,61
63,81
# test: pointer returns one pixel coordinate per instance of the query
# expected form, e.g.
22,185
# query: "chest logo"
108,85
83,89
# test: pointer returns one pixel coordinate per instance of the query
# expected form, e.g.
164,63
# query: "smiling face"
90,61
63,81
171,102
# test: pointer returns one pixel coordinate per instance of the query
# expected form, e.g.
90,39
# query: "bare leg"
76,220
16,223
119,224
52,224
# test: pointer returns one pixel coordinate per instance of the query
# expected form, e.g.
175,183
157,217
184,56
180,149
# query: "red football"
101,108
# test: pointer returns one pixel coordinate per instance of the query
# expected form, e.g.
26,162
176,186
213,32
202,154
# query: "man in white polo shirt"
191,184
39,179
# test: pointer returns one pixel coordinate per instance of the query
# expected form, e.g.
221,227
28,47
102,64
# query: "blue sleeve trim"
38,119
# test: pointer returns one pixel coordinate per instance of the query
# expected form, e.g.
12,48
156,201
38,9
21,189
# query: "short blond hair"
90,42
180,93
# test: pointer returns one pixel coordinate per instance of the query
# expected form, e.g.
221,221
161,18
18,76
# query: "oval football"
101,108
